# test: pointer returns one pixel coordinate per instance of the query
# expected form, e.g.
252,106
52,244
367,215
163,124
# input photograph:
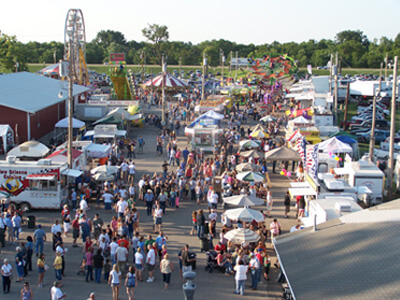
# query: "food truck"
33,184
204,137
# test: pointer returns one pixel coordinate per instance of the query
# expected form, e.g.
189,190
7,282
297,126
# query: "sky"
250,21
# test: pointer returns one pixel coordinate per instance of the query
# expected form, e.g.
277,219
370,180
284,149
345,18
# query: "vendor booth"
105,133
6,138
204,137
209,118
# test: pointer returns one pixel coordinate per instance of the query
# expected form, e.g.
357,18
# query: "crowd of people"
114,248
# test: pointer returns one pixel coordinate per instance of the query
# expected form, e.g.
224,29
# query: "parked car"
380,136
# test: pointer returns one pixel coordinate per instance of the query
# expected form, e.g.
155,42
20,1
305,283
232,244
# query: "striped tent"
170,82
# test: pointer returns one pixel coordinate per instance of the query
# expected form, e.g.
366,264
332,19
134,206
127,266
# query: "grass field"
157,69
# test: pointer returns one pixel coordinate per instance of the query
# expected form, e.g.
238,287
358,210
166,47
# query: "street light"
204,70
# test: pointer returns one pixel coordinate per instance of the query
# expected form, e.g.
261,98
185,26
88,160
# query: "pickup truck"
380,124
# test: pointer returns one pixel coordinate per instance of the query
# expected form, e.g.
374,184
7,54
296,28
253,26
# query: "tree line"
353,47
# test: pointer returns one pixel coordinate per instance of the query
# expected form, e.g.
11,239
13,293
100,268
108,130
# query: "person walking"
39,237
41,266
240,277
149,198
98,262
254,266
287,204
89,265
130,283
114,280
19,262
139,262
56,293
150,262
57,264
26,292
166,268
6,274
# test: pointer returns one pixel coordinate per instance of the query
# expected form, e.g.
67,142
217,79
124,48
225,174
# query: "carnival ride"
75,46
119,77
272,67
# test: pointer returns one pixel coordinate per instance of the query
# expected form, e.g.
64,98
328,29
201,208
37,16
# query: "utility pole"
203,75
163,66
55,56
222,65
237,63
346,106
330,74
230,65
372,138
336,87
70,103
142,62
180,66
392,130
386,65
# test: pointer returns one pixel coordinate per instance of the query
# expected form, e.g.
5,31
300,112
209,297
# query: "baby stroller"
212,262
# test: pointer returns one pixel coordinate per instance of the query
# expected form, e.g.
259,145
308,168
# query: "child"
107,269
82,267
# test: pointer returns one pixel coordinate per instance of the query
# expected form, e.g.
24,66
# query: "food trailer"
204,137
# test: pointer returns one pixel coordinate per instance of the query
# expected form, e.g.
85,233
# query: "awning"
342,171
300,185
72,173
41,177
302,192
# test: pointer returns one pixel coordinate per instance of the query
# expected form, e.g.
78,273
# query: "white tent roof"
334,145
63,123
300,120
31,92
212,114
29,149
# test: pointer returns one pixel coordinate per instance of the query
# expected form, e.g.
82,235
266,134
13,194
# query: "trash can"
31,222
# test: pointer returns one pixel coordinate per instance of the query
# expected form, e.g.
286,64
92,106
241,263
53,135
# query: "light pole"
163,64
203,77
70,101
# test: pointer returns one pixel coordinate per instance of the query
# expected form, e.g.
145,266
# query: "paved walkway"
177,225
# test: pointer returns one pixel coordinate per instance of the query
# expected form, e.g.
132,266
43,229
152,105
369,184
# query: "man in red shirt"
123,242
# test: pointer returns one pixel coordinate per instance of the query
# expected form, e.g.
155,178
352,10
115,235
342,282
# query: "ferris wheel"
75,46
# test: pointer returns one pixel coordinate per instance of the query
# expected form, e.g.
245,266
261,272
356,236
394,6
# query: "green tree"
11,52
158,35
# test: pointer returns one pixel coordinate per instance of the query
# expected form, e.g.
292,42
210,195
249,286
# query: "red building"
31,105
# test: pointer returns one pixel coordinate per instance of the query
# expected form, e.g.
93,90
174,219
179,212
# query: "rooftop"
32,92
352,257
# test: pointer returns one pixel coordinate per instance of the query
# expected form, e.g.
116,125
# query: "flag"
301,145
312,162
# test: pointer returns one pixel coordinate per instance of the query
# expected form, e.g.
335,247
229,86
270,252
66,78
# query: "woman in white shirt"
6,272
139,262
114,281
240,277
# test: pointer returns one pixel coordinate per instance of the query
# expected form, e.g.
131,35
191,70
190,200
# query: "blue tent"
346,139
211,116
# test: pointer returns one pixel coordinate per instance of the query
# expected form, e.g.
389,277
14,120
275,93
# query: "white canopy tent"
33,149
334,145
7,136
63,123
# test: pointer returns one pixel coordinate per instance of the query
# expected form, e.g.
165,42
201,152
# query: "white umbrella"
242,235
247,167
250,176
244,200
101,176
105,169
249,144
250,153
267,118
63,123
244,214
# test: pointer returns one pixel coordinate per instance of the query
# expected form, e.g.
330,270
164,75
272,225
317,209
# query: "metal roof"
32,92
352,257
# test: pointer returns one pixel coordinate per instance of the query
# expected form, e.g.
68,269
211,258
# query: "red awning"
49,176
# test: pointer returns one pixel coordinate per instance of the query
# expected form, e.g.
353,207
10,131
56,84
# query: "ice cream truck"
33,184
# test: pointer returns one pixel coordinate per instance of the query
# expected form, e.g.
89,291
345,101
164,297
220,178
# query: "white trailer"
363,173
33,184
